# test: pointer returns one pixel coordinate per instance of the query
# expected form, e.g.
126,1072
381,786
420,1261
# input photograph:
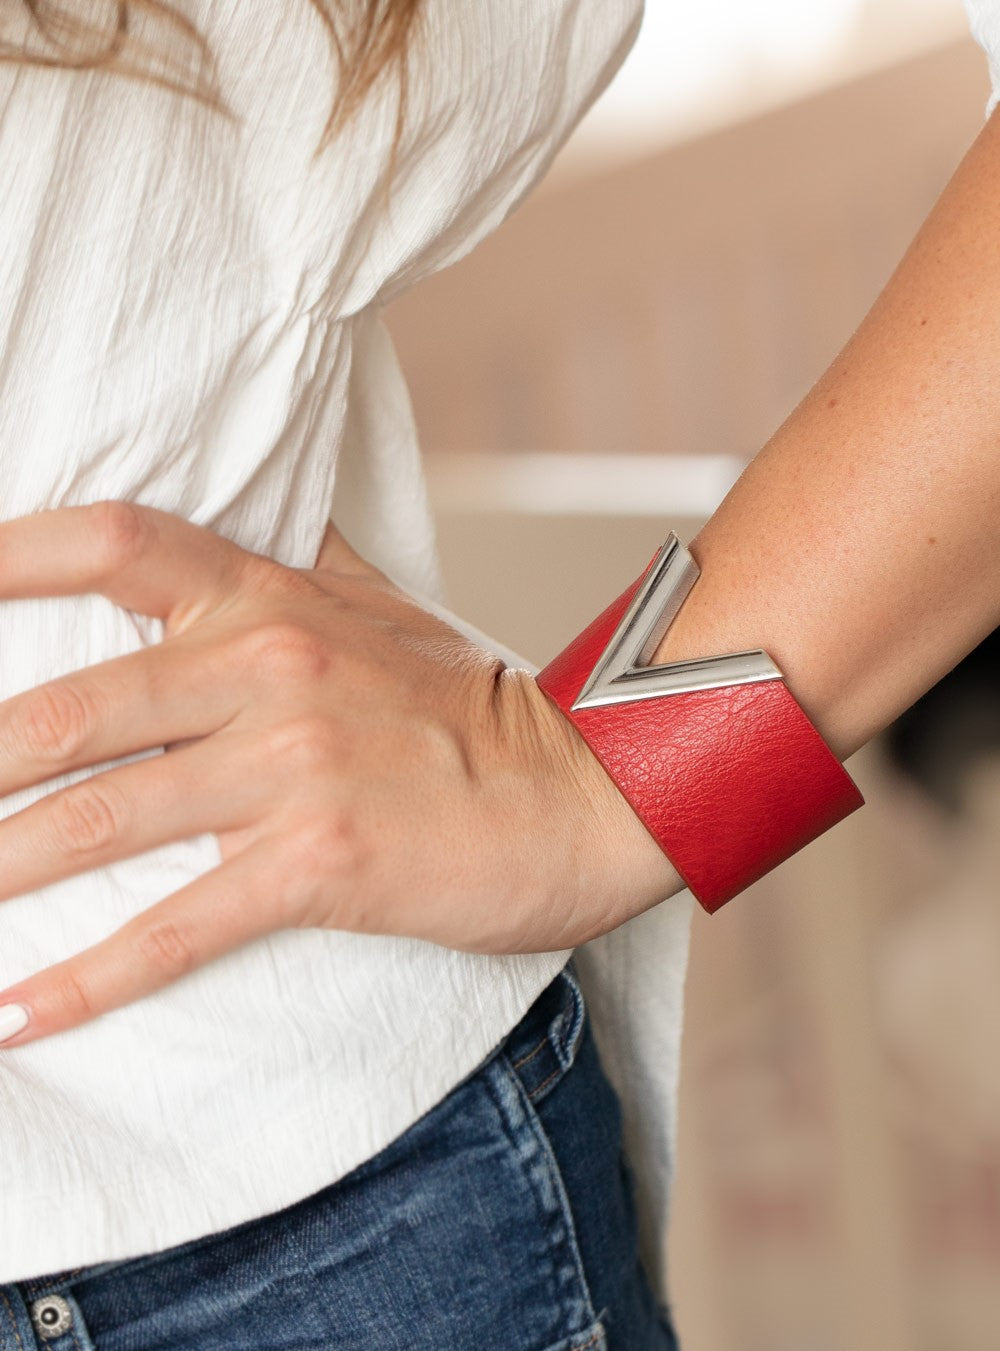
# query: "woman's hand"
363,765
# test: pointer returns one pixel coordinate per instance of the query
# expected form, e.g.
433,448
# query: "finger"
173,691
219,911
208,785
139,557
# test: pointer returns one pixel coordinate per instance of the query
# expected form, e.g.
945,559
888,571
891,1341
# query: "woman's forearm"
861,547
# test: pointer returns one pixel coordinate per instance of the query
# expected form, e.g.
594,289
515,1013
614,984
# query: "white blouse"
190,317
984,22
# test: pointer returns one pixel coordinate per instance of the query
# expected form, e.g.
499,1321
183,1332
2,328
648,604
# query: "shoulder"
493,92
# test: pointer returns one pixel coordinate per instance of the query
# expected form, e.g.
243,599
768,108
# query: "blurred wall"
839,1183
686,302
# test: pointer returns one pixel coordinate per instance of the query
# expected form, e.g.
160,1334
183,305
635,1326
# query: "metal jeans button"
52,1316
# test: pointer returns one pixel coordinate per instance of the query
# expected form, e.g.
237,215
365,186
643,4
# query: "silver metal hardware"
52,1316
623,673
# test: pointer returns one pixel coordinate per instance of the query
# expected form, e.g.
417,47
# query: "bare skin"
365,767
861,547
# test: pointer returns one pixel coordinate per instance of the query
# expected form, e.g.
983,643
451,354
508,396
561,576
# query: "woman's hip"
503,1218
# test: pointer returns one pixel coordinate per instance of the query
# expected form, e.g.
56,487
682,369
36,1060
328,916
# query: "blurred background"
599,372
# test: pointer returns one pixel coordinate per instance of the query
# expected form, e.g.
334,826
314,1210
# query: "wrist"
615,858
714,753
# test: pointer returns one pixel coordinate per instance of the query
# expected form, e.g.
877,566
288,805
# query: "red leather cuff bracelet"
715,756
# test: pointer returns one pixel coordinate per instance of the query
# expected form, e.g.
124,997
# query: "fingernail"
12,1018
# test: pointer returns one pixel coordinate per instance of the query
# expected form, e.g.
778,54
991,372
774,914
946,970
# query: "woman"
293,1053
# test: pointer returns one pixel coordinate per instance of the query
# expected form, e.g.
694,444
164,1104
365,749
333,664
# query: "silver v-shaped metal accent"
623,673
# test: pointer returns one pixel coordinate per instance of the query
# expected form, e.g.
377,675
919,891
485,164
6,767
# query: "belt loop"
544,1045
567,1026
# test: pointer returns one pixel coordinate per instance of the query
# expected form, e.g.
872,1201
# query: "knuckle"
85,820
308,743
327,846
70,996
54,722
167,948
285,650
122,530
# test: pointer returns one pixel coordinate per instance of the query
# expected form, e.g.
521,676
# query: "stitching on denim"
541,1137
10,1312
533,1095
591,1341
36,1286
531,1054
77,1316
537,1133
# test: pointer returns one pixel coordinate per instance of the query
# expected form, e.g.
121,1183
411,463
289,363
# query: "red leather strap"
729,781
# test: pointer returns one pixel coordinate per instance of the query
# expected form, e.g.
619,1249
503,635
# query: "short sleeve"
984,23
494,90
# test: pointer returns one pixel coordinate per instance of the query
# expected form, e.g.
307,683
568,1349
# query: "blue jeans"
502,1219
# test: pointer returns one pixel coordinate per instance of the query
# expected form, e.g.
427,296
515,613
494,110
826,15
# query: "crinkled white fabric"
984,21
190,318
